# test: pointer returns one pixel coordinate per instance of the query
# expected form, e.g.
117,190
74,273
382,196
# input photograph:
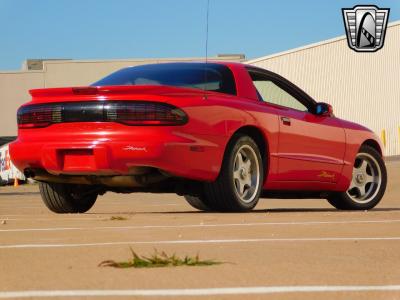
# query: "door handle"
286,121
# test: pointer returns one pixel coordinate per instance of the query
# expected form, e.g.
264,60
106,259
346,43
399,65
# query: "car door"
311,147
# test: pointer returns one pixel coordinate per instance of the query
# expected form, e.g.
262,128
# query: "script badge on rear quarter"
365,27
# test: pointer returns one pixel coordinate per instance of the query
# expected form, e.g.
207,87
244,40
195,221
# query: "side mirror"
323,109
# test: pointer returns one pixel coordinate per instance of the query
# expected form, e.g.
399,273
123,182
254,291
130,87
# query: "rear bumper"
112,153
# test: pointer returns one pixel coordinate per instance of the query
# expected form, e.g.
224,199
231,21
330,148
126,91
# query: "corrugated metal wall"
362,87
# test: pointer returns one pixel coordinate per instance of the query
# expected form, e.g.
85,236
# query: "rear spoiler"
105,90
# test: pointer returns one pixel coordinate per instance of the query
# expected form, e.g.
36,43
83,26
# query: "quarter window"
270,92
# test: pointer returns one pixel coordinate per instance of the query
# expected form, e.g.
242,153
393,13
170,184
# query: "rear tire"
368,183
197,202
239,184
66,198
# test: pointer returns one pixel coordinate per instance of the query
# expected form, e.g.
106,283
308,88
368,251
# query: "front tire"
239,184
66,198
368,182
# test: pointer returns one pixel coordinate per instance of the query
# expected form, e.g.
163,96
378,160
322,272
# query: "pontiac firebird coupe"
221,134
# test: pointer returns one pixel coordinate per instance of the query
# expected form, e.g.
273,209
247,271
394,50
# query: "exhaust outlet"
122,181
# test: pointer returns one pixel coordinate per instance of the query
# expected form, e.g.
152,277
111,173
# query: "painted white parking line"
216,241
167,204
199,225
201,291
54,219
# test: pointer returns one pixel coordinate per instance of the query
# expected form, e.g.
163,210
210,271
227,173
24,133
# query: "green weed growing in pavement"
158,260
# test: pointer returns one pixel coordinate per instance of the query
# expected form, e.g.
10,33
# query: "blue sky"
109,29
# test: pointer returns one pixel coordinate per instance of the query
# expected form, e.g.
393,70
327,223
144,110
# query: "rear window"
210,77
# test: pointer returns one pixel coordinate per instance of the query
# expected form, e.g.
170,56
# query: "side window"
269,92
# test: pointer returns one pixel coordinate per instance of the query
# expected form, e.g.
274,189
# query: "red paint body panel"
310,144
297,153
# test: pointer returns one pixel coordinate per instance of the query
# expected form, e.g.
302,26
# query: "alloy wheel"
366,180
246,173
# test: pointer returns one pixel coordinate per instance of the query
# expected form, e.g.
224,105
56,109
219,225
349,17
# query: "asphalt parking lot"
285,249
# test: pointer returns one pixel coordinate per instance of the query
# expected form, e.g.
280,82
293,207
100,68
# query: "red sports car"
221,134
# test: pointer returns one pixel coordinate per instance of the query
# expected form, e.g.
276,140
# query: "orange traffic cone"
16,183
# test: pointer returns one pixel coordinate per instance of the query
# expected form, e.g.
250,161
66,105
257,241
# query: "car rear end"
131,129
145,128
93,135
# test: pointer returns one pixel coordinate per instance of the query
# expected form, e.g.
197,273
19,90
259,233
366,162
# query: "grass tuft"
158,260
118,218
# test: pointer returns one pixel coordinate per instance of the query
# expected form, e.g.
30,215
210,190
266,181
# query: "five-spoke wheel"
246,173
367,178
368,183
240,180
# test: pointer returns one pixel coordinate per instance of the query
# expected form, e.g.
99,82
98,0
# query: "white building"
361,87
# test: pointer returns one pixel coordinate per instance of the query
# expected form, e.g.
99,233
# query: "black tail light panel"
131,113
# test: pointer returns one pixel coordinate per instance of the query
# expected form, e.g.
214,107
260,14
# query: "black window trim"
288,87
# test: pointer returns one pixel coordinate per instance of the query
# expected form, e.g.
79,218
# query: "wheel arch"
259,138
373,144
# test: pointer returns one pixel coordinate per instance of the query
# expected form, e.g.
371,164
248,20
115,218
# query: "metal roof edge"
309,46
123,60
21,71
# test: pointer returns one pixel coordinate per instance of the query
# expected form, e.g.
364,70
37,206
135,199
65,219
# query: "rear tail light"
36,116
145,113
125,112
